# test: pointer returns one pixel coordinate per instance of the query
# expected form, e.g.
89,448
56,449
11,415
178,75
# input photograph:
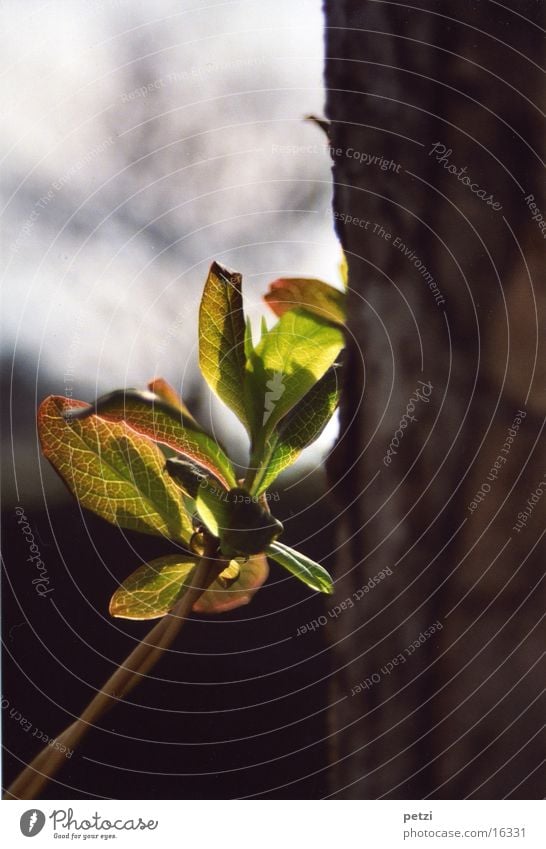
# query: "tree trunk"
437,147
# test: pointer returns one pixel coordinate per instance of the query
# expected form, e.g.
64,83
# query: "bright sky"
140,141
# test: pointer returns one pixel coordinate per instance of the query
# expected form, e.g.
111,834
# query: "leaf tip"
114,608
227,275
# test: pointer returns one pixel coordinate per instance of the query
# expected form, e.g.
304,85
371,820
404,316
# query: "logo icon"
275,391
32,822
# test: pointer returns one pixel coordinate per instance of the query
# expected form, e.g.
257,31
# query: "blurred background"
140,142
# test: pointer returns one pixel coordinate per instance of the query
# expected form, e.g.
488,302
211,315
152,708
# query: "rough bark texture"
462,714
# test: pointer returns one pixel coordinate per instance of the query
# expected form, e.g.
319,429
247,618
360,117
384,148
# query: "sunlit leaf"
286,363
112,470
150,415
222,338
302,426
302,567
310,294
153,588
212,506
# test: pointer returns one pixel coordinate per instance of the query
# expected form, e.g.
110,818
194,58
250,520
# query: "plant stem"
260,456
31,781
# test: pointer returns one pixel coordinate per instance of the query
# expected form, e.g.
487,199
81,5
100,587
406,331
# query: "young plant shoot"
140,460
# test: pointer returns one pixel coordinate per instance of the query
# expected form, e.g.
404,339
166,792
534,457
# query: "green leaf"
310,294
212,506
284,366
222,338
311,573
150,415
152,590
113,471
302,426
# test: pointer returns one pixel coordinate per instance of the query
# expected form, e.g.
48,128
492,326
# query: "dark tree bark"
445,288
